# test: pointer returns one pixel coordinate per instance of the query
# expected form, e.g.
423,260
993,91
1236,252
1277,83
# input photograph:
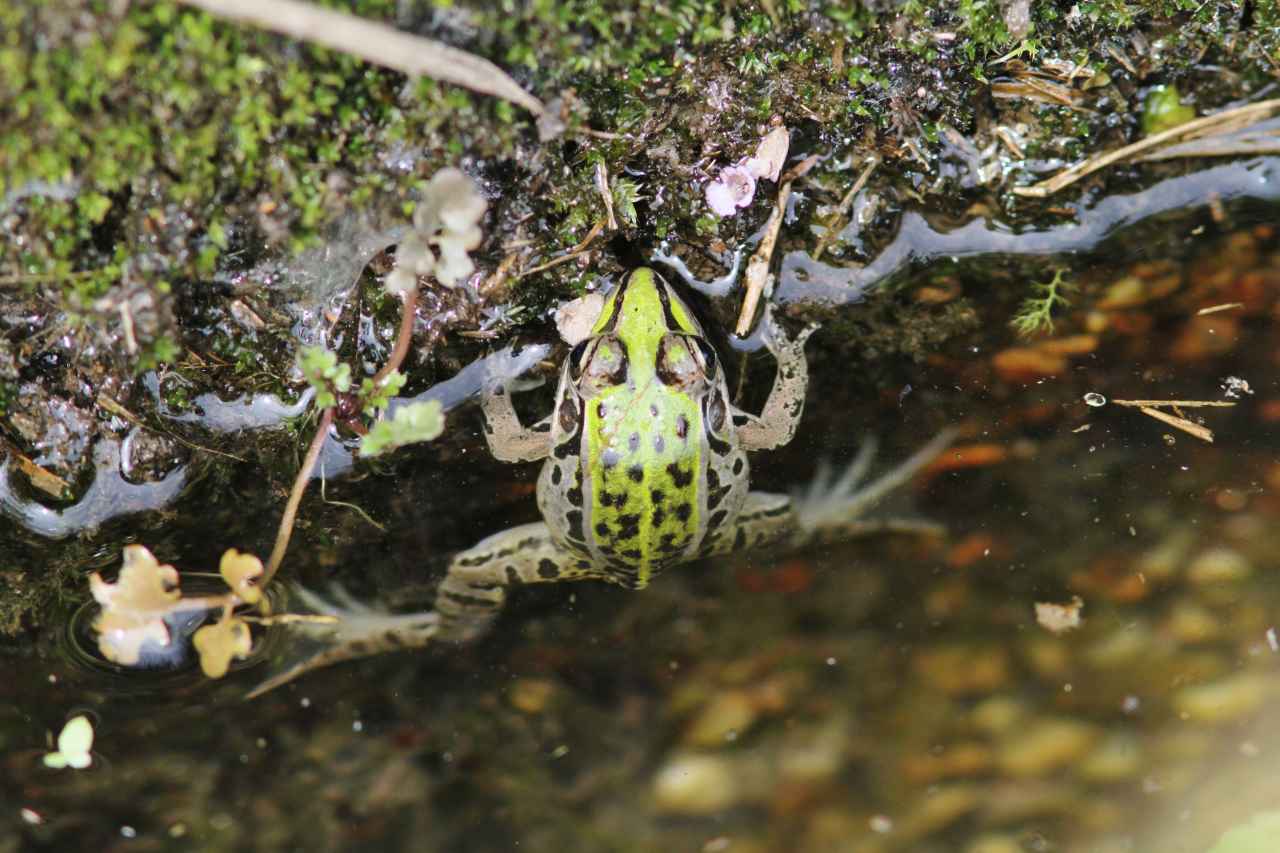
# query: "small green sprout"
625,195
415,422
322,371
134,609
1035,314
375,399
74,744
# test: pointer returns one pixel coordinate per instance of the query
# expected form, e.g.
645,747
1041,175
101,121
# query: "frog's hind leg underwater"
645,469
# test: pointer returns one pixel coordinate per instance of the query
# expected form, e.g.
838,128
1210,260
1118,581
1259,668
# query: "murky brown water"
894,694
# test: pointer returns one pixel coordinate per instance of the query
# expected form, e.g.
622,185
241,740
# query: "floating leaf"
411,423
74,744
217,644
241,572
134,607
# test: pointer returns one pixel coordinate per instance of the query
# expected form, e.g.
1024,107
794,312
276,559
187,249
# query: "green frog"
646,468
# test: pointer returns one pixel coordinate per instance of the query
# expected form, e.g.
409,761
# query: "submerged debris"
1060,618
1154,409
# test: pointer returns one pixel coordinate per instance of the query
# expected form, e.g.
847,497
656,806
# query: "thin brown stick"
1169,404
403,339
757,274
376,43
842,211
285,530
568,256
1222,122
1214,309
1201,432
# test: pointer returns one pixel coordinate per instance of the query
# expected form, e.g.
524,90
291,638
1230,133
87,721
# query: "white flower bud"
400,281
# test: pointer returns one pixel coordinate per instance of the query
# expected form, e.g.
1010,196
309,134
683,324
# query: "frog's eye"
708,356
569,412
716,411
576,363
679,362
601,364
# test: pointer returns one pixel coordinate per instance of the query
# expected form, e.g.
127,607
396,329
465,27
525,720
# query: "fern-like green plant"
1035,314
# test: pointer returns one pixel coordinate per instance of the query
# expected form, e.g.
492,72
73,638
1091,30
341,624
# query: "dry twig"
1153,409
842,212
376,43
757,275
569,255
1218,124
1214,309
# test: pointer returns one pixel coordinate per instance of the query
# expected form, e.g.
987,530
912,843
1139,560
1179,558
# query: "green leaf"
415,422
373,399
321,369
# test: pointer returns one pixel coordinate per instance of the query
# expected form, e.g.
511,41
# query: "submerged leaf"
217,644
241,572
134,607
74,744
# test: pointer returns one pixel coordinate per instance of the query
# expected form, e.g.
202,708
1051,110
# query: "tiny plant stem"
295,497
204,602
403,339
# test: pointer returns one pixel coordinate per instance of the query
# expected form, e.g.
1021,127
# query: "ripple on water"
161,669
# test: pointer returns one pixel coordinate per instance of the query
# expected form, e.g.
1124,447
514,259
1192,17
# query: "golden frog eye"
681,362
603,364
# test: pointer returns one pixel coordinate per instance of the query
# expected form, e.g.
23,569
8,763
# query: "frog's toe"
350,630
829,497
830,500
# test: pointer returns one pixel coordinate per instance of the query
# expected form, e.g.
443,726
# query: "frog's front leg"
475,588
508,440
776,423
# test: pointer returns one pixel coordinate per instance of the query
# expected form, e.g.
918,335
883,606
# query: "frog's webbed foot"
356,630
832,506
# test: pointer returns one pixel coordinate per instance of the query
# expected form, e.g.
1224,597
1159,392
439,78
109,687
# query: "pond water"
891,694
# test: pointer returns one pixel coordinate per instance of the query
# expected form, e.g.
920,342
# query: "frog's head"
645,331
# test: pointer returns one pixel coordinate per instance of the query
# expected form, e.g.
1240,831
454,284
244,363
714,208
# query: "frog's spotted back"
626,485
